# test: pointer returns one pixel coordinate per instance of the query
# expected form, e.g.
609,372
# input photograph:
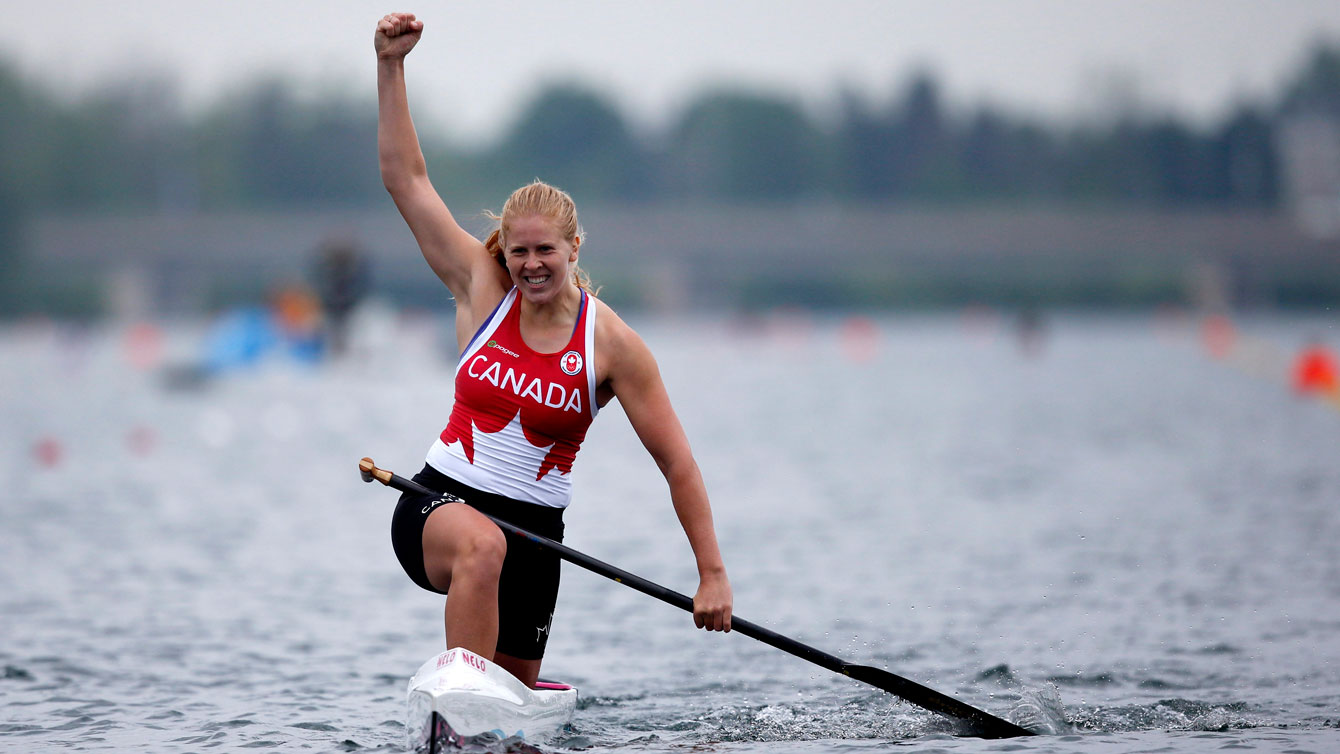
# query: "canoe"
458,698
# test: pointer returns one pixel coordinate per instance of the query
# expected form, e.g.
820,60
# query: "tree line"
129,147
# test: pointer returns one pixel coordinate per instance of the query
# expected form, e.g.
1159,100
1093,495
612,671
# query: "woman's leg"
463,554
528,591
526,671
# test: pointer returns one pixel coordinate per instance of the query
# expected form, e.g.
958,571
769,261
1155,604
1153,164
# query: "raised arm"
636,382
457,257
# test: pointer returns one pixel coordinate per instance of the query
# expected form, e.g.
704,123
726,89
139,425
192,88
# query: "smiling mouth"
536,279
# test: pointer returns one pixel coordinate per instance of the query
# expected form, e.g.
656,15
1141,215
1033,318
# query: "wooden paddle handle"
369,470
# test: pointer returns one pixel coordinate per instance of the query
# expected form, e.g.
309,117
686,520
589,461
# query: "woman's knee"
461,542
482,551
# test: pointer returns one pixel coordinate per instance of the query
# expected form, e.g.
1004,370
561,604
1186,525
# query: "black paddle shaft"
983,723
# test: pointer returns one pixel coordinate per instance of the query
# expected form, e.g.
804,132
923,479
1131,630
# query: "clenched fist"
397,33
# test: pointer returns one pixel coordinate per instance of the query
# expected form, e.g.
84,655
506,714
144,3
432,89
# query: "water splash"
856,720
1041,711
1037,709
1168,714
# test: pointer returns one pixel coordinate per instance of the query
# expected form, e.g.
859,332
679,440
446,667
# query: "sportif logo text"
509,352
475,662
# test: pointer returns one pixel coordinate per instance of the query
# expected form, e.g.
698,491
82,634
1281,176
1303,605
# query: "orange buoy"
140,440
1315,371
143,346
860,339
1218,335
48,451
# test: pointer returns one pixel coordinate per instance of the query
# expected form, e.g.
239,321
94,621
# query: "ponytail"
493,245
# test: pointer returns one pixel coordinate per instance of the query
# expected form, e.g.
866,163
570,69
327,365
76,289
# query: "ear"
576,246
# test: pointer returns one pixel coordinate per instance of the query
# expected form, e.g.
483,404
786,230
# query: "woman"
540,356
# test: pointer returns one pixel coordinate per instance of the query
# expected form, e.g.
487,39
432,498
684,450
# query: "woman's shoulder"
613,335
608,322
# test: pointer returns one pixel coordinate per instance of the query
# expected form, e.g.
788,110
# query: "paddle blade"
982,723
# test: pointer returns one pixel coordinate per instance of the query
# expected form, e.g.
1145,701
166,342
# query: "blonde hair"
544,200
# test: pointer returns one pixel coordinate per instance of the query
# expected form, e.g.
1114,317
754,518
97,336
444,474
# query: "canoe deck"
458,699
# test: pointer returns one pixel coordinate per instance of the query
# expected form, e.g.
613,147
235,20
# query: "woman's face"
539,258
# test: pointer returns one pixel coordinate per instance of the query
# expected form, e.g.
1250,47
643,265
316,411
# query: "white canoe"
458,697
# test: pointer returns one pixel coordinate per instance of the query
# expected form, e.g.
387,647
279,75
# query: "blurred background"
861,156
749,164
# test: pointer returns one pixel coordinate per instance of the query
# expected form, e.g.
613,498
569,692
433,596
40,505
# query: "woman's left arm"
636,382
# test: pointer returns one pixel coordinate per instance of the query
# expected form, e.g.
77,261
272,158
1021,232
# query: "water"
1119,540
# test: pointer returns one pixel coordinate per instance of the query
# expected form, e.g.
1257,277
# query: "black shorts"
528,587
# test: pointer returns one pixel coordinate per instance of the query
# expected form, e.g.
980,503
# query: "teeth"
537,280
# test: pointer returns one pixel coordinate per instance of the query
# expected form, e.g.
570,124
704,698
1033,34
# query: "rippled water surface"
1118,539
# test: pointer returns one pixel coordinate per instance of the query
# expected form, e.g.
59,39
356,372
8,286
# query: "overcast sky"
478,60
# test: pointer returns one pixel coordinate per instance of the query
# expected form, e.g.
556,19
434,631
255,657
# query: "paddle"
982,723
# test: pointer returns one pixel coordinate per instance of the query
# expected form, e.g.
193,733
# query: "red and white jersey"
520,416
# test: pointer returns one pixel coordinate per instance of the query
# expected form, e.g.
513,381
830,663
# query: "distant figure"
1031,332
298,320
1315,371
342,279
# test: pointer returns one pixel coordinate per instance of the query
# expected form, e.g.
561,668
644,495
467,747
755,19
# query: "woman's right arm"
457,257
